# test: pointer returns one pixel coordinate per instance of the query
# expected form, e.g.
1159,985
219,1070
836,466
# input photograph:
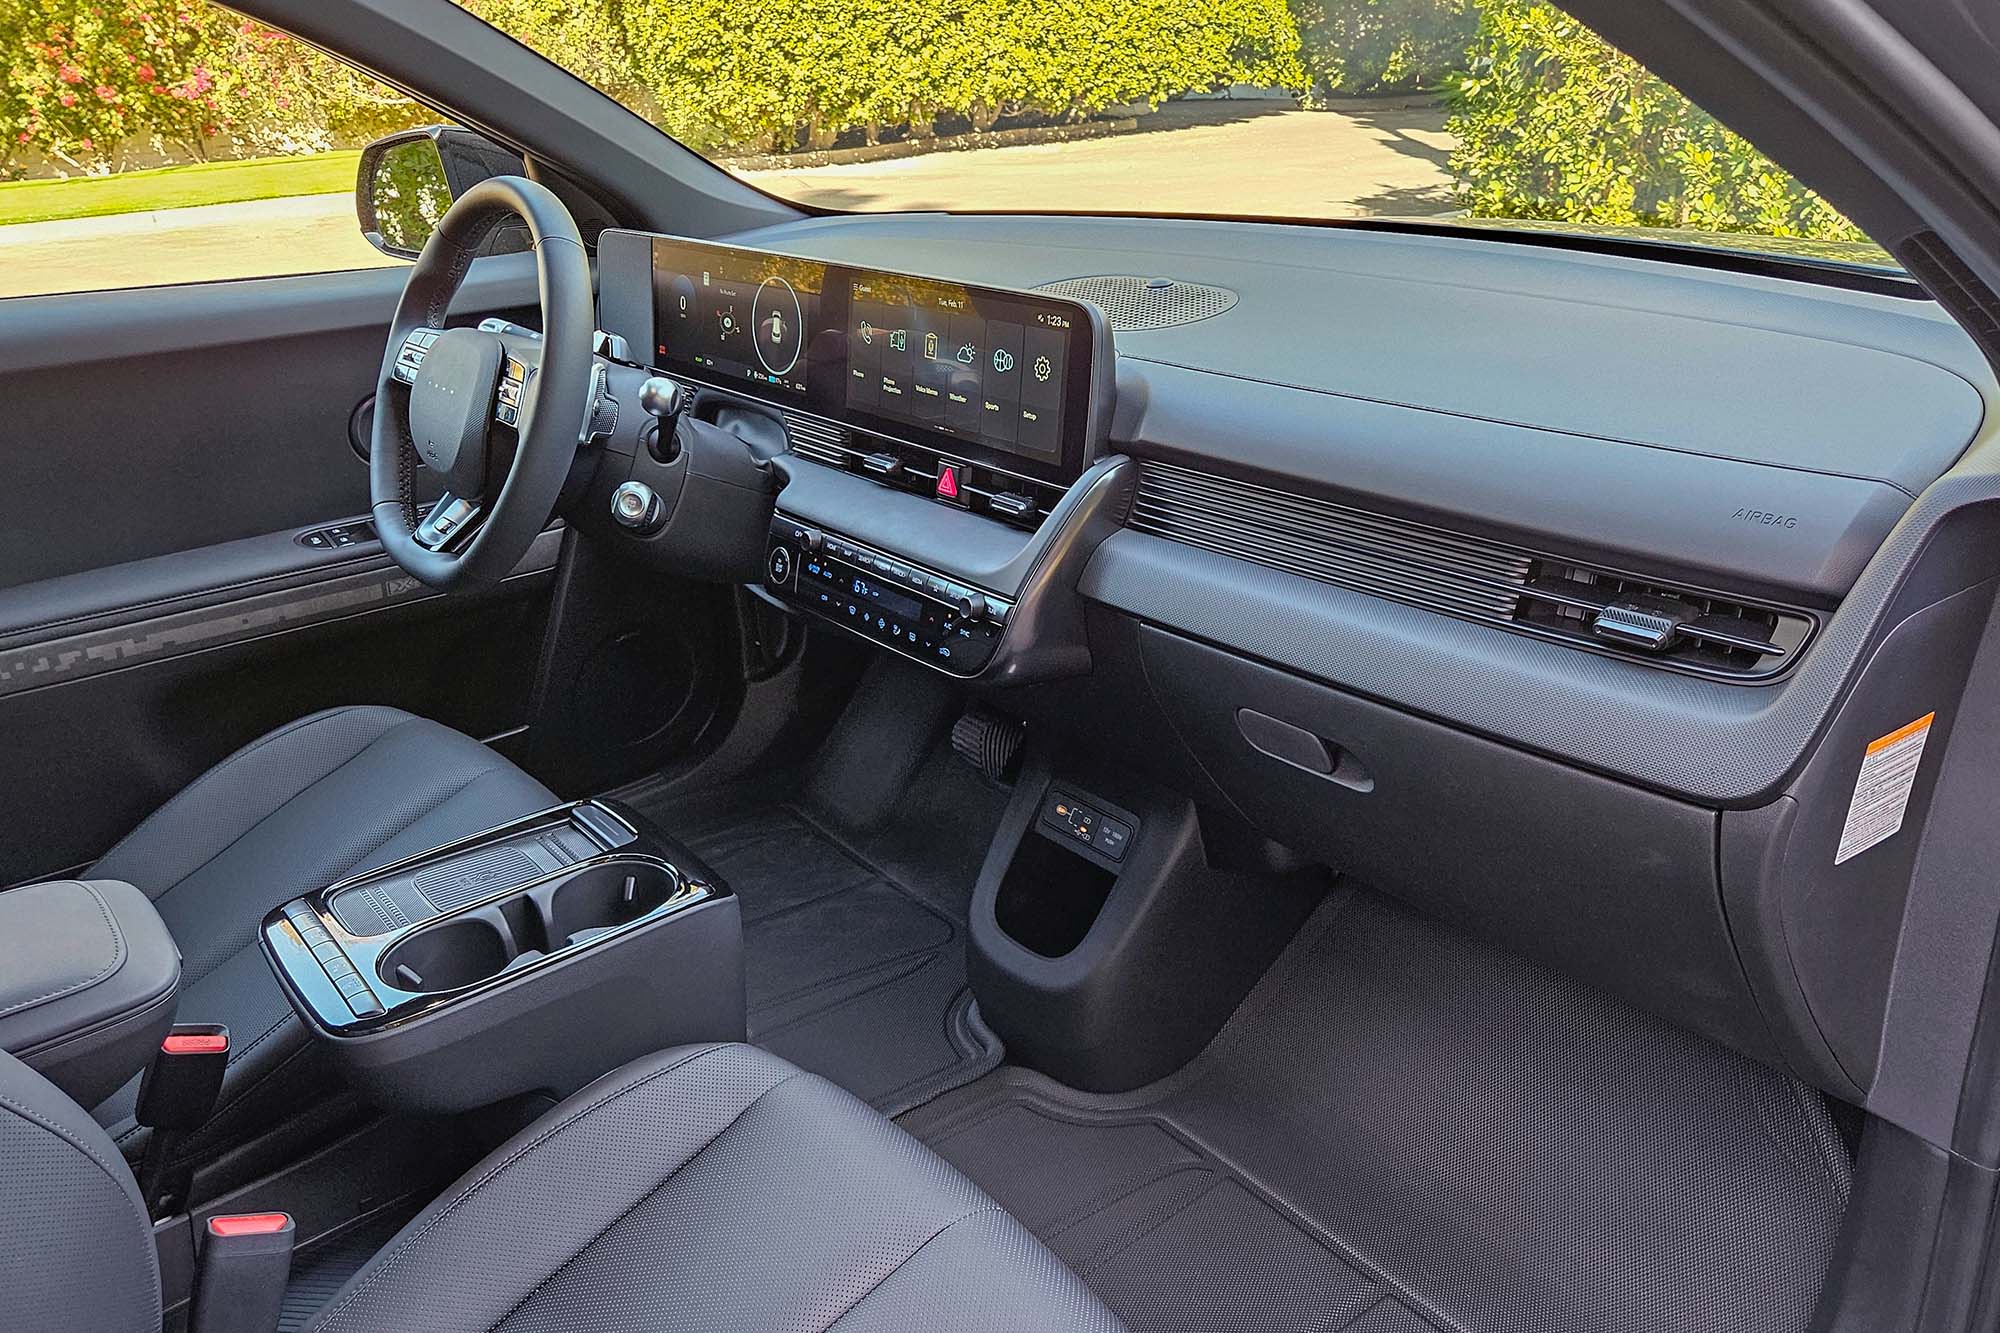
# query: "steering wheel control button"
447,522
636,507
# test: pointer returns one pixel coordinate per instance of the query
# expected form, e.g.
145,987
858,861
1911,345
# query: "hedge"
729,74
1383,46
1553,122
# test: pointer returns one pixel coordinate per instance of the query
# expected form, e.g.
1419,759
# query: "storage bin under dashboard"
535,956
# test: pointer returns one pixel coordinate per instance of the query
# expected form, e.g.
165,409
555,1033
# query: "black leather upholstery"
76,1248
714,1188
325,797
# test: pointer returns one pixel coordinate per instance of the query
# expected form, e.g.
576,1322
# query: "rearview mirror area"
406,181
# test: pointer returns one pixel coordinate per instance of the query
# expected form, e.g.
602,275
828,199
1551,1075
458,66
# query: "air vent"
1131,302
821,441
1657,623
1693,630
1389,557
904,466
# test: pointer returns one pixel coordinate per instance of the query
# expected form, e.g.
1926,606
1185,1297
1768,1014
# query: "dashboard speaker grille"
1130,302
1660,624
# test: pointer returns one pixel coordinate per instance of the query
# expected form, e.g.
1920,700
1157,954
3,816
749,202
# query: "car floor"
853,939
1400,1130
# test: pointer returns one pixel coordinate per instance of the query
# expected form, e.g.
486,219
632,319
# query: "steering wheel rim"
553,395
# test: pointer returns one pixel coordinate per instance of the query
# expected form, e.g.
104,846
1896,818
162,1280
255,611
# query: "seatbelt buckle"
177,1095
179,1088
246,1259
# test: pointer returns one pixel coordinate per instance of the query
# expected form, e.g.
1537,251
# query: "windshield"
1492,112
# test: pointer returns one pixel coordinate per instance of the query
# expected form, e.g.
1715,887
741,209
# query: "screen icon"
967,354
867,333
1044,368
899,339
1003,360
930,346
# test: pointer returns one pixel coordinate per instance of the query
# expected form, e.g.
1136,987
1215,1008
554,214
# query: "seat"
715,1188
328,796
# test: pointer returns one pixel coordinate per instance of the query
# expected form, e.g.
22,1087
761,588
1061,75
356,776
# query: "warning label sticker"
1888,771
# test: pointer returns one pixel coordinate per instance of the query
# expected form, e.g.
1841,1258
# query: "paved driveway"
1198,157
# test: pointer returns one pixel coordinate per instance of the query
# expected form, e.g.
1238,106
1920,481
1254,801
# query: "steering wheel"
442,391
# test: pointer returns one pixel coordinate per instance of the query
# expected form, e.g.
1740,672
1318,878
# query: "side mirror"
406,181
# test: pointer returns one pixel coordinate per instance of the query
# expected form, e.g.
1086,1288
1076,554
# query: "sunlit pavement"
1212,157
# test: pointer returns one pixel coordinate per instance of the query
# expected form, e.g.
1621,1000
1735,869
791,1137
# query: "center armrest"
88,981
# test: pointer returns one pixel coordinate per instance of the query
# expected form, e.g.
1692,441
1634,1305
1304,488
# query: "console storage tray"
539,979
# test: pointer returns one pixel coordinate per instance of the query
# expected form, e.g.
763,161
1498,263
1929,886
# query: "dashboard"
1557,592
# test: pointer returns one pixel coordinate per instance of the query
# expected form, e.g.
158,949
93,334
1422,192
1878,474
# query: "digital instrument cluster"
982,373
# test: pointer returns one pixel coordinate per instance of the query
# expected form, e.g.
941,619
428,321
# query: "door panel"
155,420
161,453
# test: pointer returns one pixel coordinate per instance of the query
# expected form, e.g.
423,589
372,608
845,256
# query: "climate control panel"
884,598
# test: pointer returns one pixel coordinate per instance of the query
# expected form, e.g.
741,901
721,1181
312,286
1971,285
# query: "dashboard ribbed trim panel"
1317,539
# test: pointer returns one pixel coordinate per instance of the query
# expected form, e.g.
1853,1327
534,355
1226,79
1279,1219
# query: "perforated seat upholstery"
327,796
711,1188
714,1188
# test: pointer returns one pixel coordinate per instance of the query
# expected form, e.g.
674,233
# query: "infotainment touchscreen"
971,369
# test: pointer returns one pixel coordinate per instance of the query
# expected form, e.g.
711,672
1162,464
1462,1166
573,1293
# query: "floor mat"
854,962
1400,1131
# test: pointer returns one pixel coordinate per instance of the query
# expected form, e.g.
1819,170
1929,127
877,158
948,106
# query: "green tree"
1553,122
1383,46
84,81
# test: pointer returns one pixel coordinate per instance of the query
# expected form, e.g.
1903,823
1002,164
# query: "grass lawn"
177,187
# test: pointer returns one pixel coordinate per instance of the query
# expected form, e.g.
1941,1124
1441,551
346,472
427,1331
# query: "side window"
145,142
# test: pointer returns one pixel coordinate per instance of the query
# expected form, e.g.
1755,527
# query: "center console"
942,443
534,956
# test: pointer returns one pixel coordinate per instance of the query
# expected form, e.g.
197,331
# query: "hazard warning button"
951,483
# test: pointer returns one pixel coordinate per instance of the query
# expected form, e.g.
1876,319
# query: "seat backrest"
76,1246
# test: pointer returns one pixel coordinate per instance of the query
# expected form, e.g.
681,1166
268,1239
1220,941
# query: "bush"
83,81
1553,122
1383,46
727,74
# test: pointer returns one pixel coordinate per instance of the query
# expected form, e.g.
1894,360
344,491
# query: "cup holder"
448,956
604,898
515,931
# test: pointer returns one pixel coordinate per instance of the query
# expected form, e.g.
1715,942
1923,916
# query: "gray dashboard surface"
1831,405
1664,355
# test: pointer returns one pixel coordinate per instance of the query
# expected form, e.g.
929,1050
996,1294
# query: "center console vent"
1656,623
1020,501
1661,623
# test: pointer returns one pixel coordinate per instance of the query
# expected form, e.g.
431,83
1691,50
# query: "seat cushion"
326,797
714,1188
